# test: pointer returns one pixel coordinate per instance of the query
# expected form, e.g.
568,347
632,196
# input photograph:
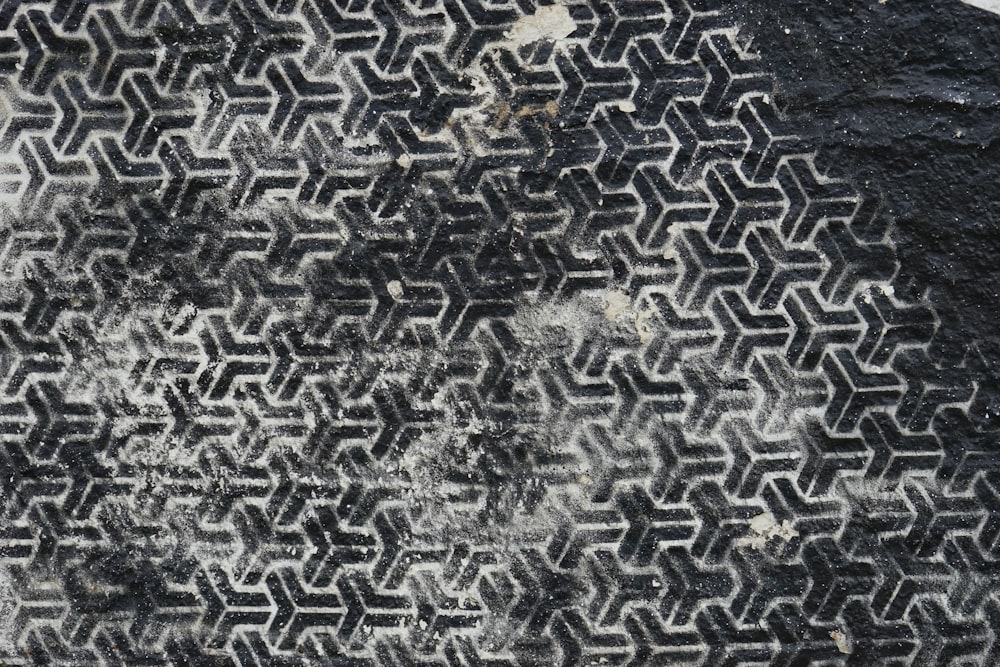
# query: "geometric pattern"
461,333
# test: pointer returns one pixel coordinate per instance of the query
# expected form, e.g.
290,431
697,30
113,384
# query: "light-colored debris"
550,108
616,304
763,527
841,640
551,22
395,289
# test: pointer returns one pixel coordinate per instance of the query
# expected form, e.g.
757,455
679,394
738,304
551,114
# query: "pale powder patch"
616,304
552,22
764,527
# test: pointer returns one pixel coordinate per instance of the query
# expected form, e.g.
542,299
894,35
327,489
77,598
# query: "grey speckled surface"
488,332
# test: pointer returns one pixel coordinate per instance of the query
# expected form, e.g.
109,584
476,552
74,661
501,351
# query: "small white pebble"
395,289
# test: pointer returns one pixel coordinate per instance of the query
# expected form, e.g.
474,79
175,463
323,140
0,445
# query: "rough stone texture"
902,97
440,332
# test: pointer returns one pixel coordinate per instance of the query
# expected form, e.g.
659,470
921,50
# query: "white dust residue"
548,322
528,501
552,23
764,527
448,459
618,304
101,373
492,112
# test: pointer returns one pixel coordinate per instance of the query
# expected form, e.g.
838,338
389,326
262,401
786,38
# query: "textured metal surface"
397,332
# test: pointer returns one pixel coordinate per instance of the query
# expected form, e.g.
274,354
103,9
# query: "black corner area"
901,98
